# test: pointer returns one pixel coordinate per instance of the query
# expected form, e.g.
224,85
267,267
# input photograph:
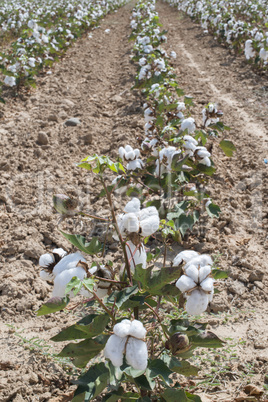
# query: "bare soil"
93,83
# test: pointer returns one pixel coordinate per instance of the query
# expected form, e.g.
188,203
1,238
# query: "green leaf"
53,305
157,368
179,366
2,100
143,383
213,210
192,397
120,297
177,162
174,395
188,100
206,340
92,248
180,325
92,383
208,170
227,147
134,301
74,286
218,274
83,351
184,223
90,326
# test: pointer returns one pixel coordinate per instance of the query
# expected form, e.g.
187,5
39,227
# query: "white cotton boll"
121,152
68,262
200,260
139,255
205,161
131,222
46,259
173,54
249,51
150,225
207,284
10,81
114,350
122,329
137,152
147,212
137,329
197,302
204,272
184,283
137,354
46,276
264,54
192,272
136,164
130,156
185,255
190,139
128,148
133,206
62,253
210,295
63,278
189,125
93,270
203,152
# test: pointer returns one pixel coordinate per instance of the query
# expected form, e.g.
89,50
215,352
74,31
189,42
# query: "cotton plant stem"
109,280
92,216
117,230
104,307
157,316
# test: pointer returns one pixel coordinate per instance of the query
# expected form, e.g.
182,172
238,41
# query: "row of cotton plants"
47,32
240,24
140,324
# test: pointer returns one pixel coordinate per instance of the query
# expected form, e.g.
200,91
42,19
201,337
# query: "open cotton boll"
135,164
185,255
62,253
137,354
68,262
249,51
192,272
202,152
45,260
205,161
200,260
130,156
46,276
122,329
128,148
139,256
197,302
207,284
121,152
204,272
114,349
137,329
63,278
131,223
150,225
133,206
185,283
189,125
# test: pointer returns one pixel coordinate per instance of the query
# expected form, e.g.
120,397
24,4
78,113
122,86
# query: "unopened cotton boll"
137,329
114,349
185,255
185,283
133,206
197,302
137,354
122,329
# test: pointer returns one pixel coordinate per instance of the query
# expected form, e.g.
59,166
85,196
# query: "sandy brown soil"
93,83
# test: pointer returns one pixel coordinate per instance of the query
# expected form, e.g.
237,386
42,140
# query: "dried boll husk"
178,343
64,204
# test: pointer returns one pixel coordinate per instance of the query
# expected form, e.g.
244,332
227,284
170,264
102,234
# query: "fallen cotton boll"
197,302
137,329
185,255
114,349
122,329
137,354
